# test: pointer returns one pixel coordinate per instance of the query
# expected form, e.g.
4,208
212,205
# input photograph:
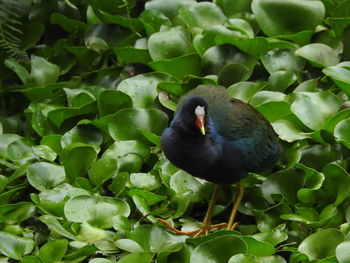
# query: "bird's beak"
200,124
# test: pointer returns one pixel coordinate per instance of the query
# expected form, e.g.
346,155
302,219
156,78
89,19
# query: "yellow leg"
231,225
206,224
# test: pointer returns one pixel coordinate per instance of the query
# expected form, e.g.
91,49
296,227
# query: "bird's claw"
204,229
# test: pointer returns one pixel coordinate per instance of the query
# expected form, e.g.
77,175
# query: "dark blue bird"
219,139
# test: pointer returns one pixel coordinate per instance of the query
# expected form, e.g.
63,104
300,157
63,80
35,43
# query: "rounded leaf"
321,244
282,17
97,210
125,124
318,54
341,132
169,44
342,252
212,250
44,176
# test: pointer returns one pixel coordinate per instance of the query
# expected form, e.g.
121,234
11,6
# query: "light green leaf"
318,54
44,176
15,247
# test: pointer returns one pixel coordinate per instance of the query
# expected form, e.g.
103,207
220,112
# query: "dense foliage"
86,88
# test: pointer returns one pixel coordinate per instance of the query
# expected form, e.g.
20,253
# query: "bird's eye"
199,111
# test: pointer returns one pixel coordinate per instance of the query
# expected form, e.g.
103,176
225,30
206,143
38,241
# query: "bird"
220,139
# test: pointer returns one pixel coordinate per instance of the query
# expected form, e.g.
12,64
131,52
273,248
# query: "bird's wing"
251,133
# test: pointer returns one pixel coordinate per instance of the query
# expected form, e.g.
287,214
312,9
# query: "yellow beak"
200,124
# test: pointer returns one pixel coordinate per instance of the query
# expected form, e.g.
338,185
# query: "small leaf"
15,247
343,252
110,101
341,132
321,244
53,251
99,210
44,176
318,54
42,72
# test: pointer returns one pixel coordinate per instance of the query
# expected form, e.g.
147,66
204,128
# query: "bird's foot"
204,229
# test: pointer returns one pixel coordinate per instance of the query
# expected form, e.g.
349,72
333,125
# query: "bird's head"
193,114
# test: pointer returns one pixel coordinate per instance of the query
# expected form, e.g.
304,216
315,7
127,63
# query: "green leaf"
102,170
15,247
42,72
53,251
321,244
74,165
125,123
168,44
282,59
53,224
99,210
244,90
203,15
341,132
318,54
44,176
144,181
340,75
279,17
212,250
16,67
314,108
127,55
242,258
155,239
84,134
178,67
343,252
16,213
110,101
137,257
142,88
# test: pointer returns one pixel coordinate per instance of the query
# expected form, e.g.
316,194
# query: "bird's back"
242,125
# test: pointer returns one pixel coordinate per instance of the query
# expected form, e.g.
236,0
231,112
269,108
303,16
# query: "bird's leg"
206,224
239,195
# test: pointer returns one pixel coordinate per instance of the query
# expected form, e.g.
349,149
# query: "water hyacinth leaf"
281,80
272,259
182,182
275,110
5,141
42,72
265,96
340,75
129,245
44,152
60,114
343,252
110,101
169,9
19,149
53,224
137,257
279,183
53,200
203,15
212,249
274,237
318,54
84,134
99,210
244,90
66,23
53,141
16,67
156,239
241,25
78,97
321,244
27,259
341,132
168,44
53,251
125,123
307,86
100,260
279,17
314,108
178,67
121,223
16,213
102,170
91,234
127,55
142,88
337,182
282,59
288,131
233,73
145,181
44,176
242,258
122,148
15,247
